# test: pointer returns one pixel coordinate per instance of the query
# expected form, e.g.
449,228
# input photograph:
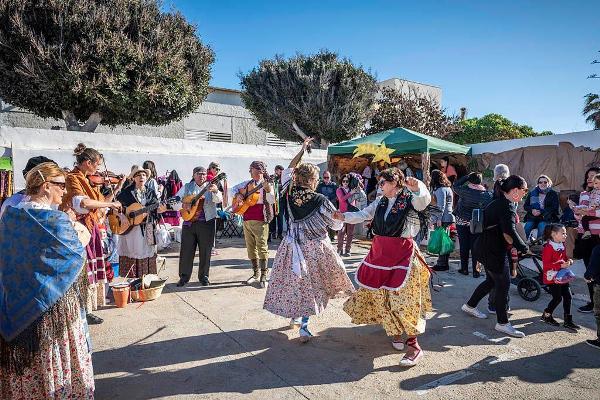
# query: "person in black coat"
492,250
542,206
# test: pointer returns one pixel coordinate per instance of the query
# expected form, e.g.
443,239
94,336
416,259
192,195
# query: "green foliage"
122,61
492,127
592,110
408,108
327,97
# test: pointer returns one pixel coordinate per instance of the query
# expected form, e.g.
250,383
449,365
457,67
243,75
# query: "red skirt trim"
387,264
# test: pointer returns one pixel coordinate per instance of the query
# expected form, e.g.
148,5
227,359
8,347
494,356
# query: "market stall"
392,146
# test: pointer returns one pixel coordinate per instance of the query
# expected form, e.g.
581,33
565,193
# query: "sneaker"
595,343
509,330
411,362
294,322
473,311
93,319
491,310
305,334
398,345
547,318
588,308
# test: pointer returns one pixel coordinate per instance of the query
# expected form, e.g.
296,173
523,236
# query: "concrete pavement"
216,342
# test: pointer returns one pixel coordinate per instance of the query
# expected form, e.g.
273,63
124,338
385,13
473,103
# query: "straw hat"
138,170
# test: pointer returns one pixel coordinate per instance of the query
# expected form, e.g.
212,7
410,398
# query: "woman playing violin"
88,205
137,248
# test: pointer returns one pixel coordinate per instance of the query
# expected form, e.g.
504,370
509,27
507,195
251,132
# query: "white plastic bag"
163,237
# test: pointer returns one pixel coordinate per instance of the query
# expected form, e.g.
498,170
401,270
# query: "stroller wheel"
529,289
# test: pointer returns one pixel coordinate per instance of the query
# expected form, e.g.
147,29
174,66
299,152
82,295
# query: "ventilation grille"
208,136
273,140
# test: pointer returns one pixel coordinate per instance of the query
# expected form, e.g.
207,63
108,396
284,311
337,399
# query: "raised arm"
296,160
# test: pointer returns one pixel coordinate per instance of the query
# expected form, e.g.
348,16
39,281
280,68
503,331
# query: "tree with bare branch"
115,62
317,95
407,107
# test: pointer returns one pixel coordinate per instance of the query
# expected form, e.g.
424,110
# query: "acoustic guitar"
134,215
248,196
195,202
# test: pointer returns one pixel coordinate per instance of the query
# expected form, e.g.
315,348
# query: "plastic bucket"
121,294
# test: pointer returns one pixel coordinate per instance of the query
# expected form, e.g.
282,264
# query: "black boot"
569,323
547,318
463,271
263,272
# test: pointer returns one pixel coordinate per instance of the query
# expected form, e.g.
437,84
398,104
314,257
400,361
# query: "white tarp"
121,152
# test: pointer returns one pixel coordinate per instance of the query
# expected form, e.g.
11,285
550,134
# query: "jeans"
500,282
347,231
560,292
530,225
597,309
465,241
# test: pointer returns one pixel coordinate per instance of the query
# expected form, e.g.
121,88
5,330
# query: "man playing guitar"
199,231
256,219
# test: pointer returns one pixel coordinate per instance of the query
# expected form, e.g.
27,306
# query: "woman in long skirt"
307,271
393,278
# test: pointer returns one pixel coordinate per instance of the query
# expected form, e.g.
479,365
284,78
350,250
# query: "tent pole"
425,164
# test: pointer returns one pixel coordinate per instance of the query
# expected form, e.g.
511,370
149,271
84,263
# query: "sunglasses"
62,185
327,177
345,181
542,182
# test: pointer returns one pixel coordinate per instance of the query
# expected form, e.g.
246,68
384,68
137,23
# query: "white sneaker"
509,330
398,345
473,311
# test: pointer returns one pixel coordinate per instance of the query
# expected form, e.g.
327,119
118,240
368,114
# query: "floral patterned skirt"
398,311
292,296
61,370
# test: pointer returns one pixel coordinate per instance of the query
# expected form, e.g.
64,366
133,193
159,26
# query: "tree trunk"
72,122
425,165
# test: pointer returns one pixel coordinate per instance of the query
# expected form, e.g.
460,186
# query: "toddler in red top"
554,257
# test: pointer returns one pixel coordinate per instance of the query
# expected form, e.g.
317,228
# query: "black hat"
34,162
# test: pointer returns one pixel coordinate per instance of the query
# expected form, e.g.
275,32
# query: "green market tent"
403,141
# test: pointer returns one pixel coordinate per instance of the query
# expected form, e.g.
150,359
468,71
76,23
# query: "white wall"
589,139
120,152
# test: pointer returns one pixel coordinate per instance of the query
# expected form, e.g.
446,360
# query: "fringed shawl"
41,259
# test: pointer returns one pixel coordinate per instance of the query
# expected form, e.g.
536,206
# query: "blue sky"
527,60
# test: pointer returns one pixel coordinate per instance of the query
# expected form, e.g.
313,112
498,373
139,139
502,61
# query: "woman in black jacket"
471,195
492,250
541,205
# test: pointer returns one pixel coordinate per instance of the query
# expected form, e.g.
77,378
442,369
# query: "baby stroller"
529,282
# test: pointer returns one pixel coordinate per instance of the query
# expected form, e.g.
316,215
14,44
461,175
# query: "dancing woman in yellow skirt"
393,278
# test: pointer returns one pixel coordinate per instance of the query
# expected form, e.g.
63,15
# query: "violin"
101,178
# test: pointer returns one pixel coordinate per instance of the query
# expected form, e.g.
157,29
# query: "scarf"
41,260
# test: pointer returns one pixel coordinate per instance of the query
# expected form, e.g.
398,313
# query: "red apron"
387,265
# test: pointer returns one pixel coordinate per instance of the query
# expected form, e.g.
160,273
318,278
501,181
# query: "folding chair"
231,226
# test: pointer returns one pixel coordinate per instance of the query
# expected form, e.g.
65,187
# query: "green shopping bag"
440,242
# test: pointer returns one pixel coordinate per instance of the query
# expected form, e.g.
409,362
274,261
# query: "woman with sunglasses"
393,278
493,249
43,335
541,206
89,205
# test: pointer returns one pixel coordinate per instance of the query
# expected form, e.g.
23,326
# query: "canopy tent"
403,142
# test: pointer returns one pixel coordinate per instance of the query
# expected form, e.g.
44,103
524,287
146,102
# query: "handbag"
476,223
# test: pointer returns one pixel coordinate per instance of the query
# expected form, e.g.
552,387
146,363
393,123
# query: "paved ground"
217,342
